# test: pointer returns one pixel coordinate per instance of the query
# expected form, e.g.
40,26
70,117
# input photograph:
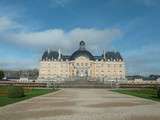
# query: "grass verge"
4,100
147,93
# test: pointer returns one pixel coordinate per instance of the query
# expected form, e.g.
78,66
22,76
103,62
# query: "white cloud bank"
15,33
7,24
58,38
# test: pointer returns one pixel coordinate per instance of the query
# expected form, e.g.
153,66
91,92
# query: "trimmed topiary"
15,92
1,74
158,92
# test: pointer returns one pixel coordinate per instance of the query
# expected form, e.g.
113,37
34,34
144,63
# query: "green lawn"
4,100
147,93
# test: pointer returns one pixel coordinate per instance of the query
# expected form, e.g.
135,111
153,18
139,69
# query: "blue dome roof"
84,53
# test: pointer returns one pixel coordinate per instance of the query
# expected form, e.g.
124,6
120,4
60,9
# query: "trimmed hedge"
15,92
1,74
158,92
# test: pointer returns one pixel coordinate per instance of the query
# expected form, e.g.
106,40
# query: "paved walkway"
82,104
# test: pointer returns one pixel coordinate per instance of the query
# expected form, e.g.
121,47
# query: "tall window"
81,64
86,72
77,64
77,72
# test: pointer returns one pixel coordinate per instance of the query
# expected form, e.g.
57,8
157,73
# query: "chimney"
104,56
48,50
59,54
48,53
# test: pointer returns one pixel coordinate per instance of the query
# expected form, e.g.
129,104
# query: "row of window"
109,65
81,64
63,70
108,71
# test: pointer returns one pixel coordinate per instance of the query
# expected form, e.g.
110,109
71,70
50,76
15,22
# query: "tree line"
31,74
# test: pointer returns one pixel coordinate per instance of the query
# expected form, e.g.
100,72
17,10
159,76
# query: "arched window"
86,72
77,72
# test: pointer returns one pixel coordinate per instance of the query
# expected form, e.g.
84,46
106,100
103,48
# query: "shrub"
15,92
158,92
1,74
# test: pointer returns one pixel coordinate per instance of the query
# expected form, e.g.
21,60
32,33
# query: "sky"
29,27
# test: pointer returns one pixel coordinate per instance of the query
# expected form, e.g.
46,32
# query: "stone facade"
80,64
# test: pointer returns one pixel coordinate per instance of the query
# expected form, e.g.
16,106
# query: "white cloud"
61,3
15,33
17,64
7,24
58,38
144,60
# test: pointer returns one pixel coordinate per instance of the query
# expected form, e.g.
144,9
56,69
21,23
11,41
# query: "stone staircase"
81,83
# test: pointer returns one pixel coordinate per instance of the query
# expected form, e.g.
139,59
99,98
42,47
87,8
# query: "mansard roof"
111,56
79,52
98,58
45,55
50,55
65,57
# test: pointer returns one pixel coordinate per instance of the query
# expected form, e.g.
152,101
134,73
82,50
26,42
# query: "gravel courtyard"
82,104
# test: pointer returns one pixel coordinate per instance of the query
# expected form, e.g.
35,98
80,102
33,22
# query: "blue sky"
28,27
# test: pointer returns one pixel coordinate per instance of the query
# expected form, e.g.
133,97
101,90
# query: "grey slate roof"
65,57
81,53
108,56
111,56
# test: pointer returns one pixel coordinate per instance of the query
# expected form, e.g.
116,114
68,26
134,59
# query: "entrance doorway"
82,73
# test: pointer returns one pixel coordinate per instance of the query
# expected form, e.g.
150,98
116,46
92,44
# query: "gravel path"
82,104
